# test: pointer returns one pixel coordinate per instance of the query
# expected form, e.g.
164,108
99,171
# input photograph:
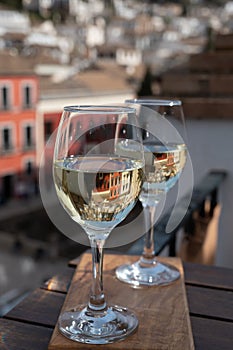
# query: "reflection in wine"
94,189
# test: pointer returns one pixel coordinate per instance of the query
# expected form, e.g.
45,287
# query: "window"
28,136
27,96
48,129
6,139
5,97
28,167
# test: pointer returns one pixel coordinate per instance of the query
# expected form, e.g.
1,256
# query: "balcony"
29,147
5,151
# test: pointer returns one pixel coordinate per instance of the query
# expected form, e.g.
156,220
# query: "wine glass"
165,158
98,184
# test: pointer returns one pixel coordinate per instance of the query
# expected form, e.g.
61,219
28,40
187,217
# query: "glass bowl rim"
99,109
154,102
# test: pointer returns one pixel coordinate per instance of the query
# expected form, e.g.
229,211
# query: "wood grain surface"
163,314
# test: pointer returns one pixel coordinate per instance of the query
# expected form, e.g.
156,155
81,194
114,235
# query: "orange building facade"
18,101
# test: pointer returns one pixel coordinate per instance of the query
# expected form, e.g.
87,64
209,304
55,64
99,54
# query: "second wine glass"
165,157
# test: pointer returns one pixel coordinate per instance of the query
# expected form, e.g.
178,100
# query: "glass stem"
148,255
97,298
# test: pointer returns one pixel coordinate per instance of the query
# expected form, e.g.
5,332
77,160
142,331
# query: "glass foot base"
108,326
153,275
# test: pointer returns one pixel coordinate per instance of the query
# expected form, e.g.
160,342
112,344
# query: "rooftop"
56,79
103,77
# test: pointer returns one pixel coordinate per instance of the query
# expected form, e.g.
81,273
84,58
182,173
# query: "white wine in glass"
98,184
162,122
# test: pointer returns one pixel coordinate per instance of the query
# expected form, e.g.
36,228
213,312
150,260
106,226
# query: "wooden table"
29,326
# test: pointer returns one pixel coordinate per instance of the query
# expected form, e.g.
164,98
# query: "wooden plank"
209,302
211,276
40,307
22,336
111,261
162,311
212,334
43,307
207,334
61,282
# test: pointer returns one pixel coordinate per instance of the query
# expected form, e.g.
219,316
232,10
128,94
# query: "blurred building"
33,92
205,85
18,123
204,81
